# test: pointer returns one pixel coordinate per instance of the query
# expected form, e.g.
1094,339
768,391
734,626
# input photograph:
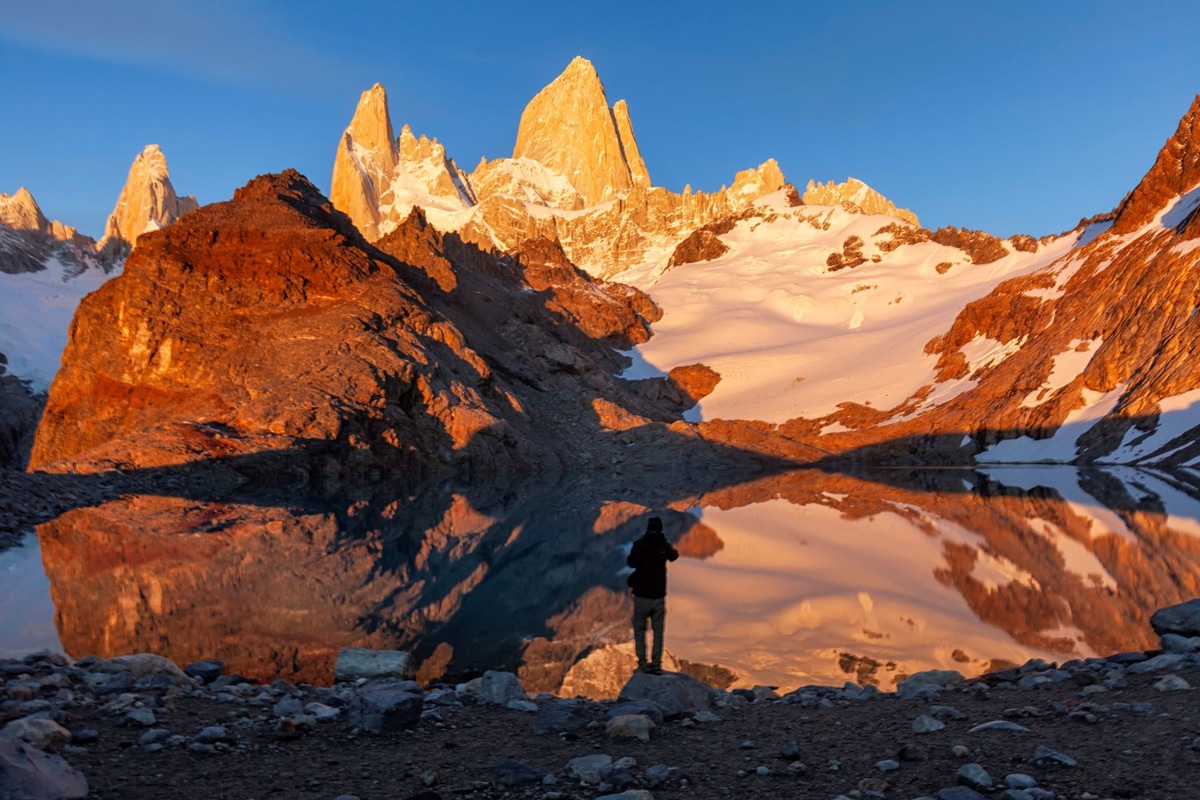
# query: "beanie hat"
655,524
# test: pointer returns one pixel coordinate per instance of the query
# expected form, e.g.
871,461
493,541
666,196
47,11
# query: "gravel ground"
1131,740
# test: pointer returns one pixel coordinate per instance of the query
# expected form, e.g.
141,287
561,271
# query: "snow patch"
1059,448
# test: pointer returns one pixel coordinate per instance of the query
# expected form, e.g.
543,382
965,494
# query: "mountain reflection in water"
807,577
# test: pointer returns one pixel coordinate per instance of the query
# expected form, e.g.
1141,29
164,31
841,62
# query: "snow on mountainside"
794,336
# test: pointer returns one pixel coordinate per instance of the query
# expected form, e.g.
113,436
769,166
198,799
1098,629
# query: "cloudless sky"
1013,117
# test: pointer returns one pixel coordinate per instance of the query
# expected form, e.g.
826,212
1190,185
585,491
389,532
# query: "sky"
1015,117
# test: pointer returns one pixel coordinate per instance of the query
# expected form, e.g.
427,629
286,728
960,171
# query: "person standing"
648,557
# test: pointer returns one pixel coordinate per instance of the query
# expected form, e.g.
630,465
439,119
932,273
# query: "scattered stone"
630,726
1019,780
1161,662
913,752
1171,683
288,707
26,772
385,705
527,706
590,769
945,713
1182,619
675,693
143,717
355,663
143,665
630,794
919,684
563,716
706,717
39,732
959,793
960,751
887,765
790,751
657,774
321,711
212,735
497,688
1044,755
1174,643
976,777
927,724
637,707
507,774
999,725
762,771
154,736
206,671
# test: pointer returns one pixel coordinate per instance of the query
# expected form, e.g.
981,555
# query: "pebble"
975,776
1019,780
790,751
1171,683
1044,755
143,717
927,724
887,765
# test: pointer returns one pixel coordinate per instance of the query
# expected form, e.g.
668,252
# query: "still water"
807,577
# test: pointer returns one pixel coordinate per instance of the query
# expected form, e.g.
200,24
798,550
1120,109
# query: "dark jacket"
649,557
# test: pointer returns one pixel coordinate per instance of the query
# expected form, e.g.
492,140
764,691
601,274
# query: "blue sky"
1009,117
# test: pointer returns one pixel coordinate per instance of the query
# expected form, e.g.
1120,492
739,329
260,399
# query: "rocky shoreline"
1125,726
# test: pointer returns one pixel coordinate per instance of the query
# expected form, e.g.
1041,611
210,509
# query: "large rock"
385,706
354,663
44,734
27,773
144,665
497,688
929,680
676,694
1182,619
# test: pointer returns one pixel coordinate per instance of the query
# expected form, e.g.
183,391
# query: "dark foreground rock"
1123,728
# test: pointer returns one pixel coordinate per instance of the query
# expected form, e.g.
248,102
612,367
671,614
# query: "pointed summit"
22,213
366,158
1176,171
147,202
569,129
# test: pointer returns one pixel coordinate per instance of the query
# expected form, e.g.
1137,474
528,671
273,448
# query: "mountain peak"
366,158
569,128
147,202
21,212
857,194
1177,170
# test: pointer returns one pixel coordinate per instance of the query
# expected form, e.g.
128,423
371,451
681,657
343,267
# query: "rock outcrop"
1176,171
268,325
856,196
147,202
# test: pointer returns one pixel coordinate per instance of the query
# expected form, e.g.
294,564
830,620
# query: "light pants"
656,611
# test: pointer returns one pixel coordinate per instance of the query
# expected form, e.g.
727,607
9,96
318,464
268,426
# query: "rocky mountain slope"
268,324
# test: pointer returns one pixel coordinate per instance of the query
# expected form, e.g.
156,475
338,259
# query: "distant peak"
579,63
858,196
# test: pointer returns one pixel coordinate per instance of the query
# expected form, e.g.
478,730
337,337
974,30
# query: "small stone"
154,736
522,705
212,734
589,769
999,725
959,793
790,751
658,773
630,794
762,772
960,751
1171,683
975,777
321,711
207,671
706,717
913,752
927,724
887,765
287,707
1044,755
630,726
508,773
143,717
1019,780
202,749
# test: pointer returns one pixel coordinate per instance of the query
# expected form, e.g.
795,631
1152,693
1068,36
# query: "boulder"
354,663
44,734
27,773
1182,619
935,679
678,695
498,688
144,665
630,726
207,671
385,706
590,769
562,716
